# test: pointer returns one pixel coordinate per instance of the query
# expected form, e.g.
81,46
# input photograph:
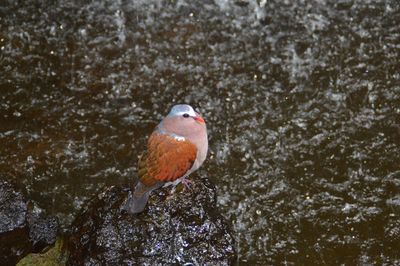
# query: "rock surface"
175,228
22,228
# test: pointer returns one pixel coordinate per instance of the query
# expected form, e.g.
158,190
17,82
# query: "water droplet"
17,114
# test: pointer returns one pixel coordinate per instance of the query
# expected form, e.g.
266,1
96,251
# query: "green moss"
53,257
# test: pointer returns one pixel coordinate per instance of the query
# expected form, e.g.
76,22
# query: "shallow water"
301,99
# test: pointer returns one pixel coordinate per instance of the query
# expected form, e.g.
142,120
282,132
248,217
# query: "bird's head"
186,114
183,120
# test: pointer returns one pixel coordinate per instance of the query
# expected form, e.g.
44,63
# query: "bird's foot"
187,183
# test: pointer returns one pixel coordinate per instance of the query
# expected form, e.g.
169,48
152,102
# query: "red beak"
199,119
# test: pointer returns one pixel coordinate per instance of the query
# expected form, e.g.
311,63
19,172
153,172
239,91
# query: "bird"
176,148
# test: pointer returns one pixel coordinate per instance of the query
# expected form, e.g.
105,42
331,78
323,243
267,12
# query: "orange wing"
166,159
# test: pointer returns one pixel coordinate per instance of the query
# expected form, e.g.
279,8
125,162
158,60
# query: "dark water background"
302,101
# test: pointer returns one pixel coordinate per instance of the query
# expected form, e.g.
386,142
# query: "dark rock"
179,228
39,226
22,229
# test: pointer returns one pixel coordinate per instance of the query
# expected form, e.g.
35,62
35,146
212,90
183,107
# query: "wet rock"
43,232
179,228
22,228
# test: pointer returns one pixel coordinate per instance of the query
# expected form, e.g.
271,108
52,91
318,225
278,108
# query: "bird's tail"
137,200
135,204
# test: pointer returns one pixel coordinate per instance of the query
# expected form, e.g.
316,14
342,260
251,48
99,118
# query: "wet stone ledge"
184,227
23,229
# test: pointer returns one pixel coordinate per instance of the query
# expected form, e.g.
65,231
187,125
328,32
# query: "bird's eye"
185,115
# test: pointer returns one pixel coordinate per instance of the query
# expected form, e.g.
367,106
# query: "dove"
176,148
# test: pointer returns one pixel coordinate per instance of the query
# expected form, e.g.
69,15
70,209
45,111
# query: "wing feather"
166,159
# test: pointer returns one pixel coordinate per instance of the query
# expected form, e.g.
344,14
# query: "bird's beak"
199,119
